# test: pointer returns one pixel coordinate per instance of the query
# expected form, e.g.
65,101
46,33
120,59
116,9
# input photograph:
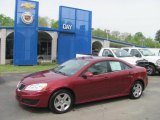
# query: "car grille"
21,86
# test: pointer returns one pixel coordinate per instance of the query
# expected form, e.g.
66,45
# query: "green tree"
99,33
6,21
43,21
138,38
157,37
54,23
129,38
149,43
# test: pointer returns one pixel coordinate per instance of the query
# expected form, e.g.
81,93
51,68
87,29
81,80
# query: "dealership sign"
25,34
27,17
28,5
67,27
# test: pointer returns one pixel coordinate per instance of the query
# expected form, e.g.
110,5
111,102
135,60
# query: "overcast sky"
123,15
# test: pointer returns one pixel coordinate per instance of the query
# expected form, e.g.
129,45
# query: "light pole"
107,31
108,34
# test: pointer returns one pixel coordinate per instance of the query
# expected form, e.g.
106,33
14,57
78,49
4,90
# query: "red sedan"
81,80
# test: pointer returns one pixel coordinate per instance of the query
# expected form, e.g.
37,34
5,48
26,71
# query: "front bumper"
33,99
142,63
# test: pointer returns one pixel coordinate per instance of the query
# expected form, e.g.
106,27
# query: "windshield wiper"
62,73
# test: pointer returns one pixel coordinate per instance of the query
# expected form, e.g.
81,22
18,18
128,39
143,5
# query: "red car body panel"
98,87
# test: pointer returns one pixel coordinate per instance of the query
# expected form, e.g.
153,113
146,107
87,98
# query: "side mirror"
87,74
137,55
110,55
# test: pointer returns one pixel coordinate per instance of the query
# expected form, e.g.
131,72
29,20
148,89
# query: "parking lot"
146,108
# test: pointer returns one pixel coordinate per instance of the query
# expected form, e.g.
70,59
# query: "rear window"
117,66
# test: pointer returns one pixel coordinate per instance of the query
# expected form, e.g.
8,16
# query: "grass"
25,69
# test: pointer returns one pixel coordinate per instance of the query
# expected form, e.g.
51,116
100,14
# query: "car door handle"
129,76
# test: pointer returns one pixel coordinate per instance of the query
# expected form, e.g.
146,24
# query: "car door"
120,78
135,52
159,53
92,87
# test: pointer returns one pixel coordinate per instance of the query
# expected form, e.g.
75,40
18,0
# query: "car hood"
152,59
131,60
42,77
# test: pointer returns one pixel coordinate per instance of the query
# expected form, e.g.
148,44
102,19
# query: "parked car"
44,57
146,54
118,53
81,80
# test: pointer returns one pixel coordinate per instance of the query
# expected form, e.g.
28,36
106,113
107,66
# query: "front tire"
137,90
61,101
151,70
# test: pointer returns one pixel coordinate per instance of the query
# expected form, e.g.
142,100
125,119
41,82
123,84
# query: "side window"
107,53
117,66
98,68
132,52
135,52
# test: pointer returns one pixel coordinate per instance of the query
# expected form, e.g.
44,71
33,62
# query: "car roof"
96,58
93,59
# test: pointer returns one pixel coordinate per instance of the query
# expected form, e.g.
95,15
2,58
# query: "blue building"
47,44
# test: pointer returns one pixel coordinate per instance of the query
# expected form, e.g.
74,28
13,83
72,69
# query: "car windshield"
70,67
146,52
121,53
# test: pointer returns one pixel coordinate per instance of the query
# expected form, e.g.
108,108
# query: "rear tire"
61,101
136,90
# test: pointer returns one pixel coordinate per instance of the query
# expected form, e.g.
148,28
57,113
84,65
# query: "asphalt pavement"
123,108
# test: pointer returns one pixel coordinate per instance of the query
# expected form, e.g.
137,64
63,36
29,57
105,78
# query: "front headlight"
36,87
18,84
158,62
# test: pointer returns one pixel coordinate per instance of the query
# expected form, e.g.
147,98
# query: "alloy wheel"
62,102
137,90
